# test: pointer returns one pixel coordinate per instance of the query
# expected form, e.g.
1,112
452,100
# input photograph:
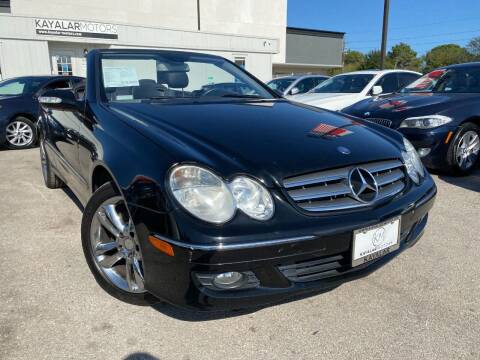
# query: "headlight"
252,198
209,198
202,193
413,163
425,122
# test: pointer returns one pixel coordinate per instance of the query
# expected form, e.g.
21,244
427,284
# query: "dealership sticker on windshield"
375,241
119,76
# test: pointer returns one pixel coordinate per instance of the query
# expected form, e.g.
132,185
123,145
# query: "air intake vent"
384,122
330,190
315,269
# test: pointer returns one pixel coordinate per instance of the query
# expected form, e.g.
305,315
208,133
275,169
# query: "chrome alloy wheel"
19,133
115,248
467,150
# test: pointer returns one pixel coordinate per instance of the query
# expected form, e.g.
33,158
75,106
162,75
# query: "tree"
352,60
473,47
446,55
373,61
402,56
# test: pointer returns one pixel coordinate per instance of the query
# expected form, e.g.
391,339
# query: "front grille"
315,269
329,190
384,122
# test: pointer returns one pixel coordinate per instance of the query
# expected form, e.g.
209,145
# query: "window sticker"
120,76
124,97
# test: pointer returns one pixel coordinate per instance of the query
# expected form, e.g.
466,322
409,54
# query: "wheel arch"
29,116
101,174
472,119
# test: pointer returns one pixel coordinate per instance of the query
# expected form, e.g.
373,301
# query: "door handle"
69,134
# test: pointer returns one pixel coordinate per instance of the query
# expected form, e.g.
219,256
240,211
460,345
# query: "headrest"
176,80
147,82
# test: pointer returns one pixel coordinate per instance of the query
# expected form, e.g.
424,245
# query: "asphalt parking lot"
423,305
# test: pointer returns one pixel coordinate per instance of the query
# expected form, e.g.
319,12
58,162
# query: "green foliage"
402,56
446,55
473,48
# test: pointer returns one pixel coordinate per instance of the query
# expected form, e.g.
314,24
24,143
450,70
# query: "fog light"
229,280
422,152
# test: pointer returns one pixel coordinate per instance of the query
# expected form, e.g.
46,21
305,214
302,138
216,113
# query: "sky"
423,24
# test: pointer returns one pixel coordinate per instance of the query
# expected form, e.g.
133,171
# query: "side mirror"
377,90
295,91
58,99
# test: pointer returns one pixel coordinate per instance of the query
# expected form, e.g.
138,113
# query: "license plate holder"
375,241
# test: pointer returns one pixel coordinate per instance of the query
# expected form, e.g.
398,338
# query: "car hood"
269,140
397,107
10,97
331,101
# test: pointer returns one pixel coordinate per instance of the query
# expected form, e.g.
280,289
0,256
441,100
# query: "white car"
296,84
344,90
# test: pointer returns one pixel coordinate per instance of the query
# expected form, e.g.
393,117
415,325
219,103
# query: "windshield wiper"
242,96
162,97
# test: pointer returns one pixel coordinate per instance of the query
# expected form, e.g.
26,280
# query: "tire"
111,258
21,133
467,133
51,180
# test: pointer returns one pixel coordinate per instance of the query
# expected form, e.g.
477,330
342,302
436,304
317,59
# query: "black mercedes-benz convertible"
213,197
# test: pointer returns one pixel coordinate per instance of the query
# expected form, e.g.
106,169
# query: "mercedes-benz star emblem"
363,185
344,150
367,113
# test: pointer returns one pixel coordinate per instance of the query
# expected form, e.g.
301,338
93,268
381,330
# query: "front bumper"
433,139
173,279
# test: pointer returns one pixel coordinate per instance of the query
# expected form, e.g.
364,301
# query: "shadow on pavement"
141,356
194,316
470,182
72,197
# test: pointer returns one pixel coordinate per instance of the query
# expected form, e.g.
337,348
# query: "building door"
62,62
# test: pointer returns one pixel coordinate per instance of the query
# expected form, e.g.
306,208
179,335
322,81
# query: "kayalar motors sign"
76,28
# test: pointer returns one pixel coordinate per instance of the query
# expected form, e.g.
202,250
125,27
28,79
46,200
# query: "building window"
240,61
64,65
4,6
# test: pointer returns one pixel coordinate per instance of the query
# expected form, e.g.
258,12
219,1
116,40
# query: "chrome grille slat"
329,190
320,191
389,177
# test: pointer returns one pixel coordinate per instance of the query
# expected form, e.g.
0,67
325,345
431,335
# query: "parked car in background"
19,108
296,84
439,113
213,197
346,89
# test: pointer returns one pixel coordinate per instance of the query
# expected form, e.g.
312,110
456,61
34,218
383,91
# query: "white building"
53,36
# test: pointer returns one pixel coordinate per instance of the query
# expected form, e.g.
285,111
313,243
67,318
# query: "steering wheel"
215,92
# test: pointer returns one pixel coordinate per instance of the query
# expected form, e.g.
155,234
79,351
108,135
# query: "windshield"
353,83
19,86
280,84
454,80
175,76
426,83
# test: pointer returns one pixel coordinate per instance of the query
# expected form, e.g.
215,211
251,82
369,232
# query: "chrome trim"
234,246
329,190
338,174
